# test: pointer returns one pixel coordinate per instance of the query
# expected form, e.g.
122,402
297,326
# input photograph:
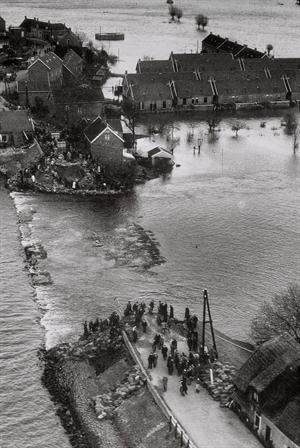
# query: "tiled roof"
14,121
192,89
95,128
71,60
50,59
155,66
213,40
116,125
257,368
157,150
206,61
150,86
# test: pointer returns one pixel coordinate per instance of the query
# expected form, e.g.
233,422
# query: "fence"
179,432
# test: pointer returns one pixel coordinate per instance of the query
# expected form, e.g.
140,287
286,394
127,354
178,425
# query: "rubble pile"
106,404
222,388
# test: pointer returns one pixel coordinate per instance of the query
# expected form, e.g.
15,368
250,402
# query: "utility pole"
206,309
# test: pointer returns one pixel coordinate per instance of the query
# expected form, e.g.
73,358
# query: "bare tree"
269,48
237,126
179,14
213,122
280,316
201,20
172,12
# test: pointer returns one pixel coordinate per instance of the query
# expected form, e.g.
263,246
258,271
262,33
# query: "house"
28,91
73,63
216,44
151,92
16,128
37,29
154,66
46,68
68,39
2,25
104,143
76,101
268,392
160,157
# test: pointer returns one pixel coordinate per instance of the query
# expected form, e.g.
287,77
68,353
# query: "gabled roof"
71,61
96,128
15,121
159,150
213,40
155,66
267,362
50,60
150,86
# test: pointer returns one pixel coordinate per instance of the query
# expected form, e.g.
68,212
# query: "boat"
109,36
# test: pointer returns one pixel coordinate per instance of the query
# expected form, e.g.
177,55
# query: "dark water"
227,219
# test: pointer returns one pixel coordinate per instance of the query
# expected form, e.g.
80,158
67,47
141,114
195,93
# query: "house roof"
96,128
69,38
150,86
268,360
158,150
206,61
115,124
30,23
214,40
15,121
155,66
50,60
71,60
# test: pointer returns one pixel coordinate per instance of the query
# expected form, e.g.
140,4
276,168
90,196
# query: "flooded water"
226,219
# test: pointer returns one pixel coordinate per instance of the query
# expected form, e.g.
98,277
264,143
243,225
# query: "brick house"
214,43
268,392
105,143
37,29
15,128
46,68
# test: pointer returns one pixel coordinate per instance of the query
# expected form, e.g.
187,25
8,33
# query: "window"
184,101
193,100
142,106
255,396
107,136
164,104
268,434
197,100
257,422
4,138
205,99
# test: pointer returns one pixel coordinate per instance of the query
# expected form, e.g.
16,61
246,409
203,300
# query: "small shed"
160,157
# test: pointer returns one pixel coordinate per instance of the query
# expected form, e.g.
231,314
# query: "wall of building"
39,72
279,439
152,106
77,110
193,101
108,151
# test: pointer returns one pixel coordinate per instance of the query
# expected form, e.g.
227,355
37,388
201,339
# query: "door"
268,434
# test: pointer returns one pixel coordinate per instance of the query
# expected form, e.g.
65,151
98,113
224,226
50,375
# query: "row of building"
207,81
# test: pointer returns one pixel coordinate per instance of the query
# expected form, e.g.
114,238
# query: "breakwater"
101,394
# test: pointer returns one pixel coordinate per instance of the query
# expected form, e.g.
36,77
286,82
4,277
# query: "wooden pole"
211,325
203,322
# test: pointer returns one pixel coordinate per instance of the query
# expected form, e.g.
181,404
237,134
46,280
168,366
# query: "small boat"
109,36
170,2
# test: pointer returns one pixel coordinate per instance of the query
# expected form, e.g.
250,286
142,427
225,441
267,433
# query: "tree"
280,316
172,12
179,14
201,21
213,122
269,48
290,123
130,112
237,126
